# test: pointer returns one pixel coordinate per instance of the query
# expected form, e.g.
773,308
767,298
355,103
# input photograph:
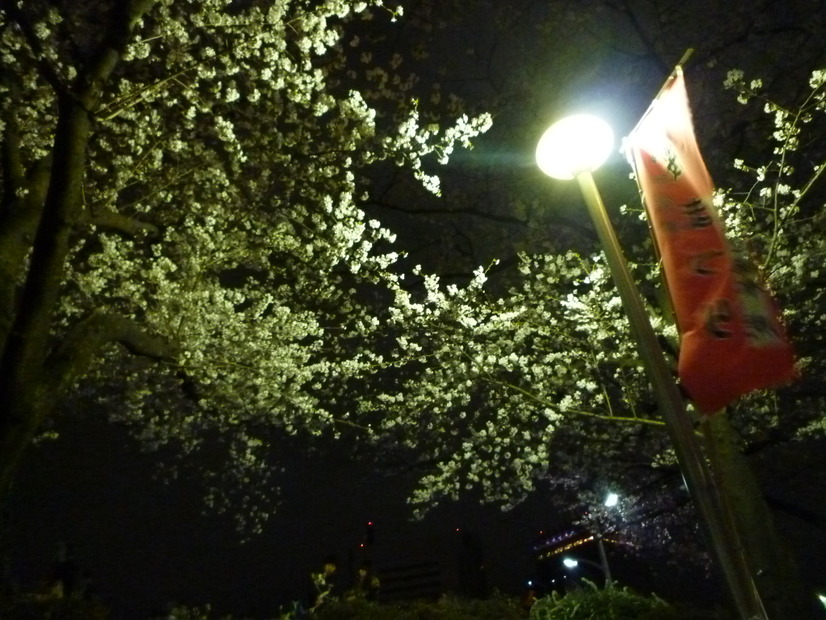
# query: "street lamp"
588,142
572,149
574,562
611,500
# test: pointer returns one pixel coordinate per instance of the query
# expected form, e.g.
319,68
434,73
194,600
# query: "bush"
496,607
613,603
592,603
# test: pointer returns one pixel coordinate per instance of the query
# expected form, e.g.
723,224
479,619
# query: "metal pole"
670,404
603,559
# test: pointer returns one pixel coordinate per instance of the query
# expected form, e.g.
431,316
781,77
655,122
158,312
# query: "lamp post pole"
698,480
610,501
603,559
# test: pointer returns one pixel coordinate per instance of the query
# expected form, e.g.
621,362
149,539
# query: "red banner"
731,341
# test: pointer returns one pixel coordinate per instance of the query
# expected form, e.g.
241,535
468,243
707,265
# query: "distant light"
579,143
530,584
570,562
611,500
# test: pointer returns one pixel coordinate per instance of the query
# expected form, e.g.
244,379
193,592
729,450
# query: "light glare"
579,143
611,500
569,562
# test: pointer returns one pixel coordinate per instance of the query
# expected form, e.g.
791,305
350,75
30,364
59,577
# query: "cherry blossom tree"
181,238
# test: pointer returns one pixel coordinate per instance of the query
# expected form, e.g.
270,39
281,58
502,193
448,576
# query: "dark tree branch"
809,516
47,71
647,42
125,17
505,219
28,341
12,163
21,215
18,224
75,354
130,226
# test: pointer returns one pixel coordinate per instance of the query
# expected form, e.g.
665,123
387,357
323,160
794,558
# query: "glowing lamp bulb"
611,500
575,144
570,562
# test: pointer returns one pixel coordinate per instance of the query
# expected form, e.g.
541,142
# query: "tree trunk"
15,436
18,425
772,565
